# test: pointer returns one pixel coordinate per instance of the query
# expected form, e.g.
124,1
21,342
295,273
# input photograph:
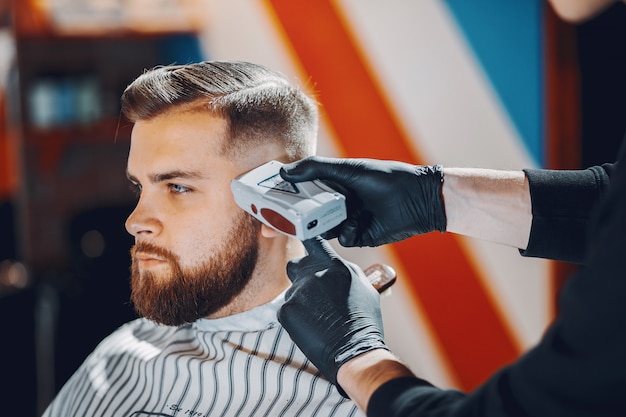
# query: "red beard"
182,296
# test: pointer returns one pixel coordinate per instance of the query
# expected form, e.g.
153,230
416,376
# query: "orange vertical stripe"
474,338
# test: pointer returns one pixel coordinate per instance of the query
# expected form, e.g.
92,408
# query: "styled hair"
258,104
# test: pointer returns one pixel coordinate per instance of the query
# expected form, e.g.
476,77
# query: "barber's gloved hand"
331,311
387,201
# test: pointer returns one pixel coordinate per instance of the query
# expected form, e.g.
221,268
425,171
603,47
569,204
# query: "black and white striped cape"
242,365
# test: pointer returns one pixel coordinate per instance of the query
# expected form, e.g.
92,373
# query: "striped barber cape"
241,365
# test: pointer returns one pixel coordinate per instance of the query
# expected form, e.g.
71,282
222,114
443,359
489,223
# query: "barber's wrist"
362,375
429,182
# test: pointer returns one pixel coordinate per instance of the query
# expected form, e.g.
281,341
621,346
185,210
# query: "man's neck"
269,277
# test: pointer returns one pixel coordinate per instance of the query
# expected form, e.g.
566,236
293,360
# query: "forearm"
488,204
361,376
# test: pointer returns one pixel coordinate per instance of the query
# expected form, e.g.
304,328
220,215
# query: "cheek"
198,239
201,227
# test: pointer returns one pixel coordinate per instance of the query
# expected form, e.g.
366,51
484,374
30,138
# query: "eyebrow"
167,176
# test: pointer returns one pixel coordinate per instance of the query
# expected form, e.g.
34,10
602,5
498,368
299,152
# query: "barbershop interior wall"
422,81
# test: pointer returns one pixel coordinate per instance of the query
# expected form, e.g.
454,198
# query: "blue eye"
179,189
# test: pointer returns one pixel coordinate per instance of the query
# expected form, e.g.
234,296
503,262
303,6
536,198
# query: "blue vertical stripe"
506,38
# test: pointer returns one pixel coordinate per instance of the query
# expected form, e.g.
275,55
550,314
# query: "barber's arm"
544,213
363,375
333,314
488,204
389,201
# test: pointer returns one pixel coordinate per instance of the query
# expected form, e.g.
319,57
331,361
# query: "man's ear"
268,232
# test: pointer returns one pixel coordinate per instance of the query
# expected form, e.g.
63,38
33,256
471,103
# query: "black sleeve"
578,369
412,397
562,202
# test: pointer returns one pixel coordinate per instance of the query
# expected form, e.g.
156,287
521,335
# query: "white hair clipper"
303,210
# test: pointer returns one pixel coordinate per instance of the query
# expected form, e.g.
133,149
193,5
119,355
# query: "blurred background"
484,83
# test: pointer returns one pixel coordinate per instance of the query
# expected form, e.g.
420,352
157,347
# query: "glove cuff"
429,180
351,352
440,222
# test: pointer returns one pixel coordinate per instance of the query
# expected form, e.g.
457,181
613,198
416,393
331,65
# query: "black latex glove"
387,201
331,311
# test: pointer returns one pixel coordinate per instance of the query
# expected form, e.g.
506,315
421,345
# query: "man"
577,369
207,277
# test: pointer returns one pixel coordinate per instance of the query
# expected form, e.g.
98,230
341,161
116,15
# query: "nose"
142,222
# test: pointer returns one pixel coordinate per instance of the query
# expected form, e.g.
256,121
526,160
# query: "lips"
146,260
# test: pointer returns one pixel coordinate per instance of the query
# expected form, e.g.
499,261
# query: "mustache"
152,249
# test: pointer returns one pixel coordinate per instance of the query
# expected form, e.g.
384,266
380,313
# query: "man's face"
194,248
